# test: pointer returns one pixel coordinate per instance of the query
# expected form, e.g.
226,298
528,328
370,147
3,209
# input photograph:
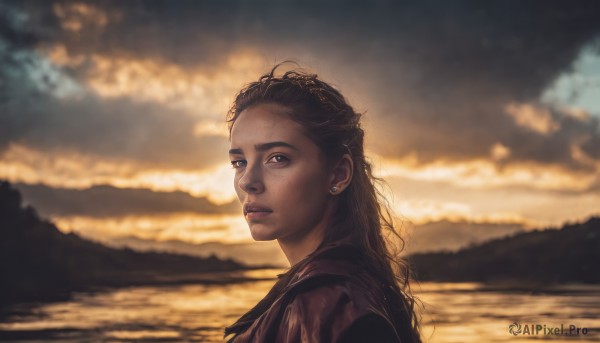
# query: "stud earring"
333,189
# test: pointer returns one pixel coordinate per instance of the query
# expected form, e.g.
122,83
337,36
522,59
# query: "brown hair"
362,211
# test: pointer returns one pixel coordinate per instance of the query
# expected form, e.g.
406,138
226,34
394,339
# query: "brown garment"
332,298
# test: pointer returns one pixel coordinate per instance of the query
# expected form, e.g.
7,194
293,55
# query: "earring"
333,189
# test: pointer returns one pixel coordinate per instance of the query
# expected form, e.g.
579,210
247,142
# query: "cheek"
236,187
305,190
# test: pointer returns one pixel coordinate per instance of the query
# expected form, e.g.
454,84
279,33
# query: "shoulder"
339,310
369,328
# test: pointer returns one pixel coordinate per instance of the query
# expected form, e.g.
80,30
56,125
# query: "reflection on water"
198,313
465,313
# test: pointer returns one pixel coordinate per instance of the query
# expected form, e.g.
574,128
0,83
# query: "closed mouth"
253,208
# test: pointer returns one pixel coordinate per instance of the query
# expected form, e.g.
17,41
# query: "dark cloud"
555,147
111,128
14,28
445,98
468,128
108,201
436,76
44,106
34,114
114,128
592,144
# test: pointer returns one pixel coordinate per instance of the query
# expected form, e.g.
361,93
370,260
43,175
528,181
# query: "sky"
483,117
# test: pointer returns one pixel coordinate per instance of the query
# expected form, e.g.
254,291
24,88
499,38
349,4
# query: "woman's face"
281,177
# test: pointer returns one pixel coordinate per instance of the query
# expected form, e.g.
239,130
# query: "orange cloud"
188,228
75,16
72,170
576,113
499,151
484,174
201,91
532,117
75,170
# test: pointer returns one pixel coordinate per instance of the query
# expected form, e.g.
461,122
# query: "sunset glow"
193,229
95,102
202,92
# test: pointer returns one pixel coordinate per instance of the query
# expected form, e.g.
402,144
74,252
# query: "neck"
297,248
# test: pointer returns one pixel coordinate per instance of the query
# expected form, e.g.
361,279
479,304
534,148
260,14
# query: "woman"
302,178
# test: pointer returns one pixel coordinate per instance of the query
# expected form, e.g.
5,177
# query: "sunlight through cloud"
482,174
74,170
190,228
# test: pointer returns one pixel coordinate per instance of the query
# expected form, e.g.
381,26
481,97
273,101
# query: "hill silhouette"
38,262
567,255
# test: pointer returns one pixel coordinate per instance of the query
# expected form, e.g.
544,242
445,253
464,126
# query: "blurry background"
483,117
484,114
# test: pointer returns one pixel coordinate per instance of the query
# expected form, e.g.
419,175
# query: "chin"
260,233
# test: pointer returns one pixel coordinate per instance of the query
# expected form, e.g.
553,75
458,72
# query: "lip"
256,211
257,215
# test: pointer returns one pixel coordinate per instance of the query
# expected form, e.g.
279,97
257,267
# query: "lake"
454,312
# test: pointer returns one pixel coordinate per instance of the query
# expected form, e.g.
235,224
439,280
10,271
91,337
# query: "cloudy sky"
480,115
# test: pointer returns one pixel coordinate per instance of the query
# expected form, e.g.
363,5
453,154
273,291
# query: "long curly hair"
362,212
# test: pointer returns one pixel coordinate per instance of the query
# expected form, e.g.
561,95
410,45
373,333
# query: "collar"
338,259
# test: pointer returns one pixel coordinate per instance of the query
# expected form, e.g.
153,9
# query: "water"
198,313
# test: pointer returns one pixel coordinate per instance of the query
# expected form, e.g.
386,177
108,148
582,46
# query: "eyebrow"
264,147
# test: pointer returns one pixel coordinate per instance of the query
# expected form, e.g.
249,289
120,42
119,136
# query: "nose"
251,182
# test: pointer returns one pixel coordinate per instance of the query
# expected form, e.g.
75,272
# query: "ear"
341,175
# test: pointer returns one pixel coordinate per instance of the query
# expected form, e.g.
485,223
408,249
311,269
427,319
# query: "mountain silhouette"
38,262
570,254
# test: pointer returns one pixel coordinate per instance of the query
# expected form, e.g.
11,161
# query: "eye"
278,159
236,164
